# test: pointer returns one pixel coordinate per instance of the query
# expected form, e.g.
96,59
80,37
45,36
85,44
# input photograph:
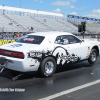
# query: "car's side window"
73,39
66,39
63,39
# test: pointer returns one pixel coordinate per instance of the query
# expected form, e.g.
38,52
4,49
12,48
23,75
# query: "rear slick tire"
48,67
93,56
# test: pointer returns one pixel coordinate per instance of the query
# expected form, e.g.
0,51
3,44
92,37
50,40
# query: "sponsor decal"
88,53
39,54
29,39
2,42
88,48
15,45
36,54
87,56
64,57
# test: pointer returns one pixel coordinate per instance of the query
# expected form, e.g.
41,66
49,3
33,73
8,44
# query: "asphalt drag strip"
73,90
74,82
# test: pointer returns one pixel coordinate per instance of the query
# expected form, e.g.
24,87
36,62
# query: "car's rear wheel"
48,67
93,56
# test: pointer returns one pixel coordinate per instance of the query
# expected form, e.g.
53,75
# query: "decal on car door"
63,57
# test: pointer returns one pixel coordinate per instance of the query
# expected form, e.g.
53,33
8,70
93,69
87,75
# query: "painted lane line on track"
70,90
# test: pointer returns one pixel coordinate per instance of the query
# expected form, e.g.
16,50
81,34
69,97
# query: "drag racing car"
43,51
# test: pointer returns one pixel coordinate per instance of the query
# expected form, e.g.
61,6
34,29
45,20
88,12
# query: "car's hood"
21,47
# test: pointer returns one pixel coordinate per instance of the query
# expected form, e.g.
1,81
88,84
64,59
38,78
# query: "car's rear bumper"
22,65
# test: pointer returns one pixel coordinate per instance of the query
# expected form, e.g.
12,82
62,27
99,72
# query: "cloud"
94,14
73,0
81,8
72,6
41,1
96,11
61,3
73,13
57,10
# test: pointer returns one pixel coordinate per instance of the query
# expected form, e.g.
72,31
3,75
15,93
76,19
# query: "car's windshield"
31,39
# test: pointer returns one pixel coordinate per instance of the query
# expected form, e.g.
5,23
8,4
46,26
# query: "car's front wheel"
93,56
48,67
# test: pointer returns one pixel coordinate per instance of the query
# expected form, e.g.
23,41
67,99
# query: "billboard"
84,18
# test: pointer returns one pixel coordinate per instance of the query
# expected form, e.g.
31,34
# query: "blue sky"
87,8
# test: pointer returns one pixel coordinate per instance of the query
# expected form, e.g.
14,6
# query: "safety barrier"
2,42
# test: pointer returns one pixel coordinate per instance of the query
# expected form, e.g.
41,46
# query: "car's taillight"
21,55
2,51
12,54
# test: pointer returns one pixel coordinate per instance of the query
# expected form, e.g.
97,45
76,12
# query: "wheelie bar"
17,77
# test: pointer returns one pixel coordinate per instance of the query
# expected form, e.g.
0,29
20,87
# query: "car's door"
70,49
77,47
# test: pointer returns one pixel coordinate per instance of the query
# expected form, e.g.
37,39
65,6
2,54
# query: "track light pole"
20,3
20,7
